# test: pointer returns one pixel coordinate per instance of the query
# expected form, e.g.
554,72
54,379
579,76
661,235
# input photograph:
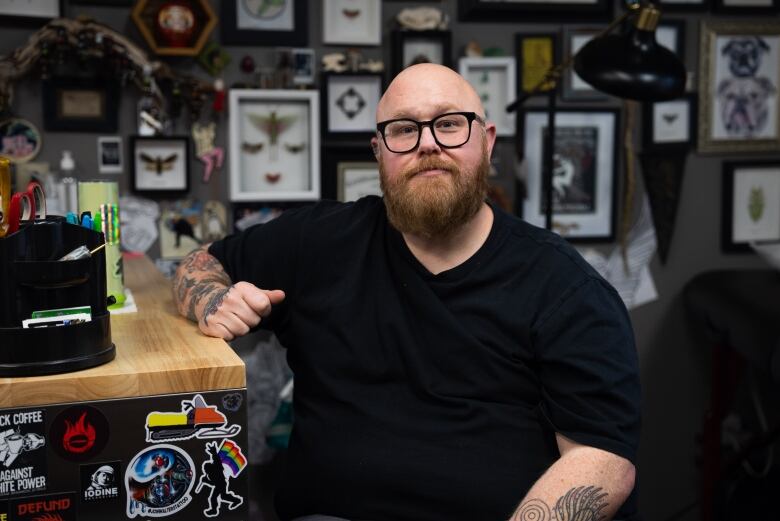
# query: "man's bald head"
425,90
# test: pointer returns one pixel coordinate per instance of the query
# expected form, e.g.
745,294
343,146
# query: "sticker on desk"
53,507
225,462
195,420
100,481
79,433
232,402
158,481
22,456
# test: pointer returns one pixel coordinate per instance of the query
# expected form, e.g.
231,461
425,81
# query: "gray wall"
674,366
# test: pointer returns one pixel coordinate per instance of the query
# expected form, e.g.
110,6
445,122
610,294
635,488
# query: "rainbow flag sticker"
230,455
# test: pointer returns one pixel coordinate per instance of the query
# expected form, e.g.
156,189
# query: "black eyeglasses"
450,130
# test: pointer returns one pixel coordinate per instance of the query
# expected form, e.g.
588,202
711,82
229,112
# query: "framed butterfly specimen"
669,125
274,145
349,103
160,164
352,22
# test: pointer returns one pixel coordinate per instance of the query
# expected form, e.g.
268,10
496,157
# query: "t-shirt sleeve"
589,369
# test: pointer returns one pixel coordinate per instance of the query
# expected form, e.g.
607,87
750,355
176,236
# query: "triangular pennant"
663,177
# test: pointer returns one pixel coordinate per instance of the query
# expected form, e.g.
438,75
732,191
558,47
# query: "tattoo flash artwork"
578,504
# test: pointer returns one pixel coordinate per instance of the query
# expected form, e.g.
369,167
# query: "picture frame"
684,6
535,54
349,173
585,185
671,34
110,158
746,7
352,22
669,125
349,102
304,68
493,78
739,107
284,25
750,204
20,140
30,12
533,11
274,145
80,104
575,88
410,47
160,165
174,29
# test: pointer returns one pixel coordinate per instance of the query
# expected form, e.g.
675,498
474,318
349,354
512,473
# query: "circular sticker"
79,433
158,481
21,140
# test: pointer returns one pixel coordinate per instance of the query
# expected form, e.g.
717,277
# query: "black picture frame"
569,89
141,180
678,26
8,18
730,170
231,34
684,6
675,135
402,38
80,104
720,7
332,157
525,81
329,120
518,11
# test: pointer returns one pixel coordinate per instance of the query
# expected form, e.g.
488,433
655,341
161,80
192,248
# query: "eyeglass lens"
450,130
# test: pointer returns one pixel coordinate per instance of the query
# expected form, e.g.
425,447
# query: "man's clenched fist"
231,312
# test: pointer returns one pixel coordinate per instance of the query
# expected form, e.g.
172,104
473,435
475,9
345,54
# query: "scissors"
21,206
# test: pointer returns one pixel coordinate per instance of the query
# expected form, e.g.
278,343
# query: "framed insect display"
274,145
264,22
352,22
493,78
412,47
160,164
669,125
349,104
751,204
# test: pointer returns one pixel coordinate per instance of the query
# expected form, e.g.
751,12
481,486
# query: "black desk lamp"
629,65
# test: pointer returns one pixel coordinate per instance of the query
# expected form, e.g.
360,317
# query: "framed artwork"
36,12
584,172
174,28
349,104
751,204
352,22
535,55
274,145
160,164
671,34
530,10
494,81
349,173
251,22
21,140
73,104
669,125
109,149
749,7
213,59
739,78
684,5
574,87
411,47
303,66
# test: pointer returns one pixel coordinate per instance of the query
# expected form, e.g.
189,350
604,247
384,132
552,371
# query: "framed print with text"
278,23
751,204
494,80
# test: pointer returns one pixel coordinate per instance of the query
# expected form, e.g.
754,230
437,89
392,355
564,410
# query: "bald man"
451,361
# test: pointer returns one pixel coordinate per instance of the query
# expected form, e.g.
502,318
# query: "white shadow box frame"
352,22
274,145
494,79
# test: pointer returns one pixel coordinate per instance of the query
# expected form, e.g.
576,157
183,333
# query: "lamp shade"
632,66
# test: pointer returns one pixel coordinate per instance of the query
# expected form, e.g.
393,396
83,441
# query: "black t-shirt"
435,397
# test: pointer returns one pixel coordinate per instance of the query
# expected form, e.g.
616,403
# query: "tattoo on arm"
213,304
198,275
578,504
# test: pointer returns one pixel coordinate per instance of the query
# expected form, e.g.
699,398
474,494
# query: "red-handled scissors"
21,206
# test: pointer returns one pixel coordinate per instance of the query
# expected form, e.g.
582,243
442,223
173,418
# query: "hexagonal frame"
144,14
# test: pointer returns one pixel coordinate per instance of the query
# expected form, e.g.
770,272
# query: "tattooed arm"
204,293
584,484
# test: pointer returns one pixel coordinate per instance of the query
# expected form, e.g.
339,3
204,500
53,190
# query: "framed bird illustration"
160,164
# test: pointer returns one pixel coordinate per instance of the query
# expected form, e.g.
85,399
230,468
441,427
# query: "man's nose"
427,142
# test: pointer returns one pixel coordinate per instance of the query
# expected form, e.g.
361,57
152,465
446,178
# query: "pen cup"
101,198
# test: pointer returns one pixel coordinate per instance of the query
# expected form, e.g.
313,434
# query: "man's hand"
231,312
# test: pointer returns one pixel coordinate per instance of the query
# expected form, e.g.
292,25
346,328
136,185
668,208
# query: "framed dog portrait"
411,47
160,164
494,81
751,204
349,104
739,79
584,172
352,22
669,125
535,55
274,145
252,22
574,87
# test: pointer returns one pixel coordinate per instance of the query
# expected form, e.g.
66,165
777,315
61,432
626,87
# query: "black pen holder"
33,279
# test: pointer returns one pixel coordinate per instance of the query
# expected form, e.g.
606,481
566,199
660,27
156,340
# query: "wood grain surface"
157,352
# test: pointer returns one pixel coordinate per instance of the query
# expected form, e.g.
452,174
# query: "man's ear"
375,147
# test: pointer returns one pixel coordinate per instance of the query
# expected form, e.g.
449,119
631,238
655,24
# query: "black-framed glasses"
450,130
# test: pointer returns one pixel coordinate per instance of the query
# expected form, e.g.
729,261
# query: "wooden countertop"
157,352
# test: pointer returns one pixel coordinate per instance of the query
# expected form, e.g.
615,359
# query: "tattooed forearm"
578,504
199,275
214,302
